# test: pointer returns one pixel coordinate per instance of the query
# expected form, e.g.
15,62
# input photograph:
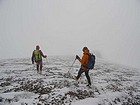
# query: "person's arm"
84,59
44,56
32,58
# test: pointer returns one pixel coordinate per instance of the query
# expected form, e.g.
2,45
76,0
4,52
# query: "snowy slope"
112,84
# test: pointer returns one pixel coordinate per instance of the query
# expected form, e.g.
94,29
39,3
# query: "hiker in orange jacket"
84,62
37,57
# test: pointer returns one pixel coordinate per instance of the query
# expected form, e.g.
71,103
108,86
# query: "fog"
109,28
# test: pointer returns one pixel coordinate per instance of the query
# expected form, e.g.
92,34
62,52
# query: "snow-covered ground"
112,84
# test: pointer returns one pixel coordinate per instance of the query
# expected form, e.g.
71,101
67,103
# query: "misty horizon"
110,29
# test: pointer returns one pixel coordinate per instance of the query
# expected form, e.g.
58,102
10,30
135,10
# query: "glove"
45,56
77,57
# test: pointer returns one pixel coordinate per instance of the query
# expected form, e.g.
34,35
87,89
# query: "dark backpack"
91,61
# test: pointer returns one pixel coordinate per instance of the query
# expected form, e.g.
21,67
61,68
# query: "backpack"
37,55
91,61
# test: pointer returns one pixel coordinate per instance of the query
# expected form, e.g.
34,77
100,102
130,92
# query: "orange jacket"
84,60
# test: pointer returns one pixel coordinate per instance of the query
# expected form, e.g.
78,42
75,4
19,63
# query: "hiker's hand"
45,56
77,57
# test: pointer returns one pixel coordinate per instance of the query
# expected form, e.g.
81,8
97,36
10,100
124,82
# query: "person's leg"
79,73
37,67
40,66
87,76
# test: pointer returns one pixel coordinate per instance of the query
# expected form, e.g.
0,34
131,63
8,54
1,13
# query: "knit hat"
85,48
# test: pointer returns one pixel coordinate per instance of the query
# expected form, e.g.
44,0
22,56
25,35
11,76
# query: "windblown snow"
112,84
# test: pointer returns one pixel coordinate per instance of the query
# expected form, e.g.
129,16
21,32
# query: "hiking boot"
88,85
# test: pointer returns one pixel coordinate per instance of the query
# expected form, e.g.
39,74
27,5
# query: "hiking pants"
86,73
39,65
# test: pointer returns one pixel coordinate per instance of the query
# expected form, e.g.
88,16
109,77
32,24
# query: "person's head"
85,48
37,47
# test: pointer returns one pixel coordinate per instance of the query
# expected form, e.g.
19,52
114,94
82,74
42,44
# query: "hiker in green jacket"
37,57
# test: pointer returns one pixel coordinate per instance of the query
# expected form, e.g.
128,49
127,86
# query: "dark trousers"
39,65
86,73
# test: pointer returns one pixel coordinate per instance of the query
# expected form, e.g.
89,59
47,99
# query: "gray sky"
110,28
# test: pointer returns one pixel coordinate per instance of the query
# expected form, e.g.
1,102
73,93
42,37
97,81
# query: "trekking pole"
72,65
47,61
